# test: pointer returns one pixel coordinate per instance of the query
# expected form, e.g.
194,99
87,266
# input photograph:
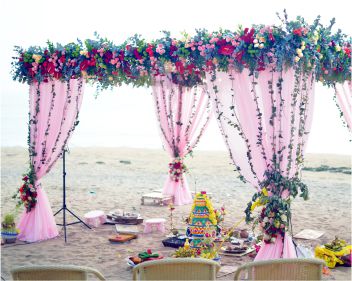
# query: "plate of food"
142,257
235,249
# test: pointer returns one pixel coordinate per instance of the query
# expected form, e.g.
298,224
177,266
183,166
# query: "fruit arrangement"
183,252
336,245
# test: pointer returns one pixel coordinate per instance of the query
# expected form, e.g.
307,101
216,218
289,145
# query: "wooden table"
158,198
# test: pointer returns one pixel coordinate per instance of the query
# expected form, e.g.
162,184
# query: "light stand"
64,207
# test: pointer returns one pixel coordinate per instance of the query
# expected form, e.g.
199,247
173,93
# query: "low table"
158,198
95,218
151,224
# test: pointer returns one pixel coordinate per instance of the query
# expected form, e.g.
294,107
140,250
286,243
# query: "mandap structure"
258,82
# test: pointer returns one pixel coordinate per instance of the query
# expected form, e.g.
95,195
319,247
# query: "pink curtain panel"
253,134
183,115
343,94
54,108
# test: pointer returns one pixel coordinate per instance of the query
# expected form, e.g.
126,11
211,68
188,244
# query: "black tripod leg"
78,218
64,215
58,211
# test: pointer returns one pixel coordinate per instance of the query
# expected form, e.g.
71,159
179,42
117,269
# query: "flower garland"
293,44
274,198
27,193
177,168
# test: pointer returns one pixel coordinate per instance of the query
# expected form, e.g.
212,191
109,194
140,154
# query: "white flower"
297,59
303,47
32,189
265,219
255,41
337,48
256,45
300,55
261,46
266,237
283,217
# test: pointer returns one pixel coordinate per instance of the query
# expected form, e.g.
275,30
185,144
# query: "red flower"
92,62
107,56
180,67
347,51
48,67
122,56
190,68
226,50
128,47
62,59
248,36
84,65
31,72
177,165
239,56
149,50
137,55
271,37
25,178
221,42
173,49
57,75
298,31
209,64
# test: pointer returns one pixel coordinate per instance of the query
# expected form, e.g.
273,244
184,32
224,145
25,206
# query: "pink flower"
285,194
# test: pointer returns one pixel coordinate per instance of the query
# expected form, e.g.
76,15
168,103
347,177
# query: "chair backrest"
176,269
282,269
54,272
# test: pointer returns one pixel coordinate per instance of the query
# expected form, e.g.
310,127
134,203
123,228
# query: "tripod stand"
64,208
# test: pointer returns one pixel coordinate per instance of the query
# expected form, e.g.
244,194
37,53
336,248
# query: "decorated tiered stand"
202,225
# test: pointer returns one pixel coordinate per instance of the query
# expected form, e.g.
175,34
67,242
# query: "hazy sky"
126,116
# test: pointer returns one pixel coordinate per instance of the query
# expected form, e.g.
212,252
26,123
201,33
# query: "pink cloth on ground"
281,248
39,223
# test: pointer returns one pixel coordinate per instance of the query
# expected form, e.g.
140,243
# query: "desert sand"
97,180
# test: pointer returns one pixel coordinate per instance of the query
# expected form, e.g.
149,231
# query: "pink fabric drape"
261,118
54,108
282,248
183,115
344,101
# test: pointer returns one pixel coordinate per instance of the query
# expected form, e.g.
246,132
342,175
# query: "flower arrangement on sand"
176,169
27,192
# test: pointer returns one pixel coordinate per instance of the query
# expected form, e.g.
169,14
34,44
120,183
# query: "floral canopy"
260,81
291,44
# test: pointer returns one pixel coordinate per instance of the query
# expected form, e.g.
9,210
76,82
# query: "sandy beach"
98,180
